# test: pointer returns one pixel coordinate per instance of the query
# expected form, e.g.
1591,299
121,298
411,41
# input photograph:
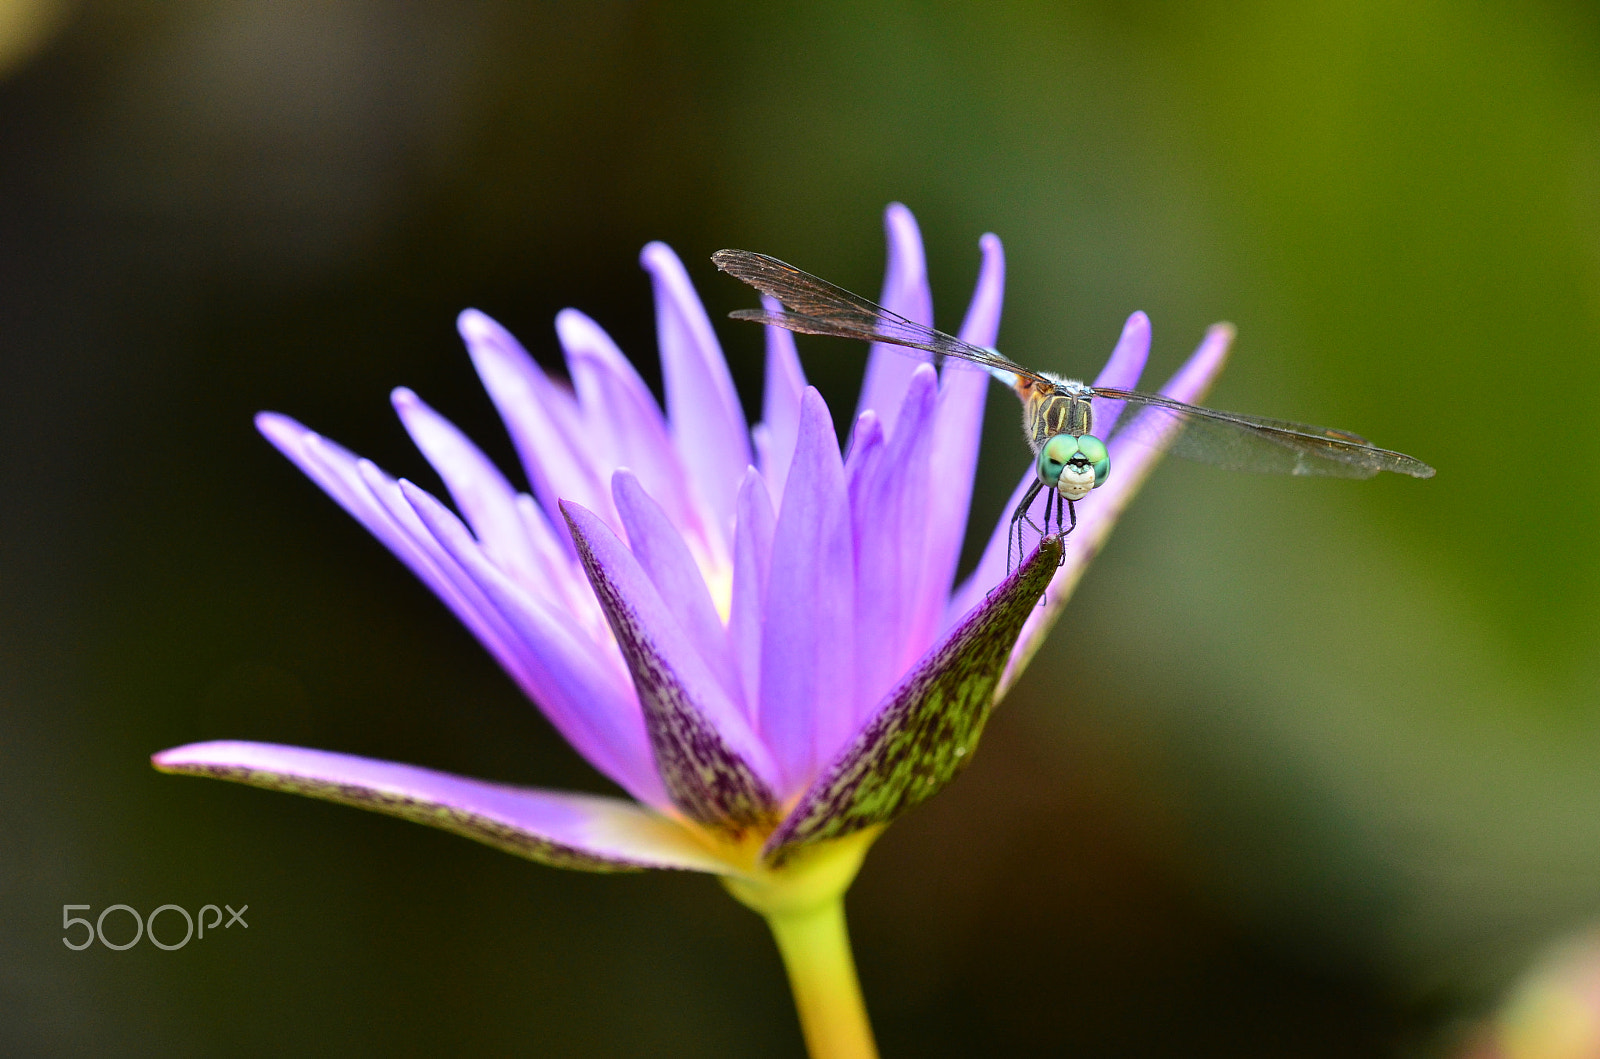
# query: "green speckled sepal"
930,726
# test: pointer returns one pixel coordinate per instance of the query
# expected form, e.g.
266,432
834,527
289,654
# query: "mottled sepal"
707,757
585,832
928,729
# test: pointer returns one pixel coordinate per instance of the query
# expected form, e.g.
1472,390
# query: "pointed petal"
887,502
752,560
953,453
541,416
707,423
1122,371
1133,464
563,830
905,291
626,426
927,729
780,403
575,676
339,472
715,769
486,499
660,549
808,640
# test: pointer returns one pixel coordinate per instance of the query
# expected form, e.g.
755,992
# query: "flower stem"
802,900
816,951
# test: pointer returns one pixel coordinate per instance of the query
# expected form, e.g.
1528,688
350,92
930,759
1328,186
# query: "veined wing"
817,307
1253,443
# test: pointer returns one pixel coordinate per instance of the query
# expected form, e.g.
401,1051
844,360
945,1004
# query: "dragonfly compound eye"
1054,456
1094,450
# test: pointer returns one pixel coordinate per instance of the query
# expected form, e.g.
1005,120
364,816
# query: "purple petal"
541,416
666,560
553,827
626,426
573,672
715,769
808,638
752,557
926,731
780,405
1122,371
887,495
706,421
485,498
905,291
340,474
1131,464
957,432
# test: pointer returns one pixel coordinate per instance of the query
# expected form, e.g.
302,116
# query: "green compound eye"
1054,456
1094,450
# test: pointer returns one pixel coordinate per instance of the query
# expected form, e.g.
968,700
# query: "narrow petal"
340,474
706,421
666,560
953,455
543,419
752,561
808,638
887,501
715,769
626,426
1132,464
927,729
564,830
905,291
577,678
1122,371
780,403
486,499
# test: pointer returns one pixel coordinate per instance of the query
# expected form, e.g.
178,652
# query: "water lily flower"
759,639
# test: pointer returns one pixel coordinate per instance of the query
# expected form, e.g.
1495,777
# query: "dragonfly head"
1073,465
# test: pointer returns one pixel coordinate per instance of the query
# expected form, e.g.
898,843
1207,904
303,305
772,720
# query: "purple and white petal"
578,681
542,418
752,559
624,422
808,639
581,831
714,767
486,500
905,291
666,560
1122,371
928,727
780,403
1132,464
707,422
891,527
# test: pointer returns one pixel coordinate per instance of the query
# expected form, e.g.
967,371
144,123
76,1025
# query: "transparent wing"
817,307
1252,443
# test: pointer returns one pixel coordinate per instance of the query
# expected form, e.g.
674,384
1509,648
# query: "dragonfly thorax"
1062,409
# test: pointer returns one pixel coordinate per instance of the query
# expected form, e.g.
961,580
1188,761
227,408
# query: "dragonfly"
1070,460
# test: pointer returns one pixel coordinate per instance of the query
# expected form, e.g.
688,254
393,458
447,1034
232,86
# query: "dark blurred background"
1309,767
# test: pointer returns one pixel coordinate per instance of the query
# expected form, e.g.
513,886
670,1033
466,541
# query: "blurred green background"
1309,768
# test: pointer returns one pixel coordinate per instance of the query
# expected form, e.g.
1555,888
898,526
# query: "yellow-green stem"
803,902
816,951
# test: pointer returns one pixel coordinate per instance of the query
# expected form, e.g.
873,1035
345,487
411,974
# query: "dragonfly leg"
1018,517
